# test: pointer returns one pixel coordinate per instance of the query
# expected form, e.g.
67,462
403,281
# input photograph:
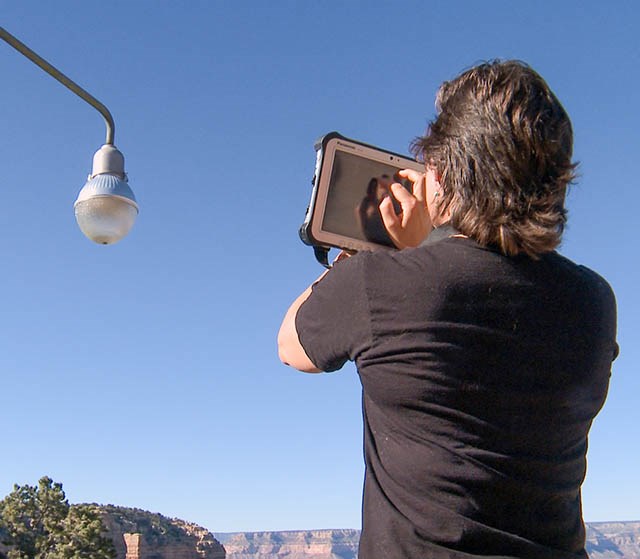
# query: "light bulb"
106,207
105,219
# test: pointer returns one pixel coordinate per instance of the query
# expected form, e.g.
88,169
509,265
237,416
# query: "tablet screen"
356,188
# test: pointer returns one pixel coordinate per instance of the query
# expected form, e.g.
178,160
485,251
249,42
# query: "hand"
412,225
343,254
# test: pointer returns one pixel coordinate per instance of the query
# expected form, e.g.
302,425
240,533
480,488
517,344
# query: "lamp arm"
64,80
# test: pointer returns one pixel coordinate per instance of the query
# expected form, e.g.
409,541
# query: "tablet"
351,179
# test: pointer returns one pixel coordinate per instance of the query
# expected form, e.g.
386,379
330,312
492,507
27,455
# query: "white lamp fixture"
106,207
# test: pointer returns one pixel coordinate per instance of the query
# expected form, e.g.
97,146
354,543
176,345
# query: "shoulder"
587,293
449,249
581,275
410,274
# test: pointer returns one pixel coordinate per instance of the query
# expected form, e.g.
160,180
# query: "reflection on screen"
356,188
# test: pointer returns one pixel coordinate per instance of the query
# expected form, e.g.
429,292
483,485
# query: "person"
484,355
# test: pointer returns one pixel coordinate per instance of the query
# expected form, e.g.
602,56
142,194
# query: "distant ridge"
294,544
613,540
605,540
171,538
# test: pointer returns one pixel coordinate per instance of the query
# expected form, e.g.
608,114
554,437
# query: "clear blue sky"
145,374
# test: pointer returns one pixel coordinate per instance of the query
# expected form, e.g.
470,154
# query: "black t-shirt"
481,376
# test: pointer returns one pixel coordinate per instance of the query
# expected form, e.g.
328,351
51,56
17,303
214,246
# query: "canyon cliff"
613,540
605,540
138,534
303,544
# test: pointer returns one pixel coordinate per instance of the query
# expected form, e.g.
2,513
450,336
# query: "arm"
290,349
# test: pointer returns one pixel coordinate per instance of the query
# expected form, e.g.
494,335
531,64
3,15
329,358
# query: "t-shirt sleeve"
333,323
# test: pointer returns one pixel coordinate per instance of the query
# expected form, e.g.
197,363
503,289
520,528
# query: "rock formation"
605,540
307,544
139,534
613,540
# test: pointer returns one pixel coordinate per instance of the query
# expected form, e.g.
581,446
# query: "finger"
389,218
419,183
420,188
342,255
402,195
410,174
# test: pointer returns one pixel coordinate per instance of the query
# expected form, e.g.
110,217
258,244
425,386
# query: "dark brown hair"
501,145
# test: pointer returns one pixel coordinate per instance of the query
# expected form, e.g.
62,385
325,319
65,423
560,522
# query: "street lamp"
106,207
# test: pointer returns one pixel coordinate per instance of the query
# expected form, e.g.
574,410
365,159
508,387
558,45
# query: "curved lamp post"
106,207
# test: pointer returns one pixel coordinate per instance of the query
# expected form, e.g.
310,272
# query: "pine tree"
38,523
